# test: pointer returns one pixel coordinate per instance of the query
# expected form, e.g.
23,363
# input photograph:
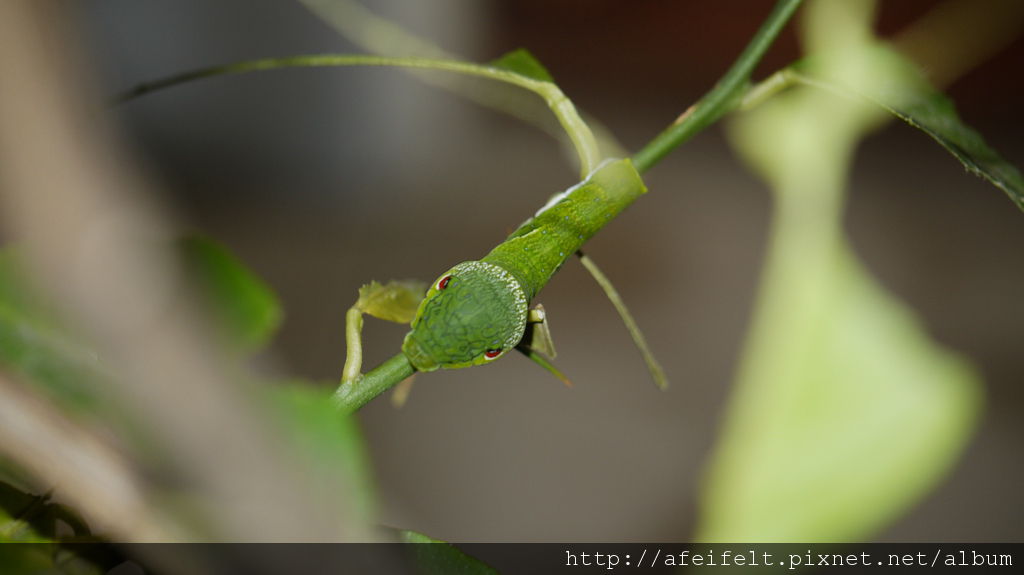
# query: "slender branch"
579,133
723,96
327,60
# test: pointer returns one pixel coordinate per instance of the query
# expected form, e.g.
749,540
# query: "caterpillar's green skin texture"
484,304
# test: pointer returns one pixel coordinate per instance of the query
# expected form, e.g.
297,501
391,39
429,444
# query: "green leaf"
395,301
40,529
248,309
27,517
35,346
14,529
38,557
24,559
331,445
522,62
436,557
49,360
913,100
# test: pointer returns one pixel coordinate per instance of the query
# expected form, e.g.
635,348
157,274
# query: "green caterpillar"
477,311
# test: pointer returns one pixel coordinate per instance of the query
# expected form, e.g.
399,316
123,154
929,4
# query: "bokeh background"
322,180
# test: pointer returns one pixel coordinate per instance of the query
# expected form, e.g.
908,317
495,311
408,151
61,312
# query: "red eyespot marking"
443,282
492,353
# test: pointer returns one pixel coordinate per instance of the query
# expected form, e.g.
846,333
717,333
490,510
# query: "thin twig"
723,96
565,112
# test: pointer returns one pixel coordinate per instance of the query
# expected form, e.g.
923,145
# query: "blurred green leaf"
14,529
330,443
845,412
24,559
44,534
436,557
40,557
912,99
247,307
34,345
841,422
395,301
50,357
48,360
522,62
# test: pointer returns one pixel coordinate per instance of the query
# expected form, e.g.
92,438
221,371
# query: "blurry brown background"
325,179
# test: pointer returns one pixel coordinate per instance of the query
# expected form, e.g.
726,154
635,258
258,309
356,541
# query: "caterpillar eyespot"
443,282
492,353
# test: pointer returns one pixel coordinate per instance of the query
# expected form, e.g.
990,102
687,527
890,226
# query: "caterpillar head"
473,314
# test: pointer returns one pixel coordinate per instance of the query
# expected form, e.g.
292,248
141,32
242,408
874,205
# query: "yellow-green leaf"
522,62
395,301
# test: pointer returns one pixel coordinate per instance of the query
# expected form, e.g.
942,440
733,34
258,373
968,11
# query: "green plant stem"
723,96
351,396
